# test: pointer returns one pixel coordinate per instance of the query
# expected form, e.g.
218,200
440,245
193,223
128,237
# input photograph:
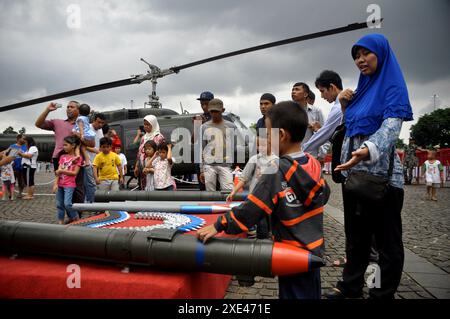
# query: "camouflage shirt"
411,159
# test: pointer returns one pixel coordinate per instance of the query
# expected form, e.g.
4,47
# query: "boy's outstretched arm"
258,205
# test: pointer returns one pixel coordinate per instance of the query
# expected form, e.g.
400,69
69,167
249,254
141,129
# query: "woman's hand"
136,171
357,156
344,97
55,188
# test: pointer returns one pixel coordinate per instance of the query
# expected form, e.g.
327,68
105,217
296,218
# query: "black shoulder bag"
365,185
336,149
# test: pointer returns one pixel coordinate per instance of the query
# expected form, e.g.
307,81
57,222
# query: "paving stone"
266,292
426,233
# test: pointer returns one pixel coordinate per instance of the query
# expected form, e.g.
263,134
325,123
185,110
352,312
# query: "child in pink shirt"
64,186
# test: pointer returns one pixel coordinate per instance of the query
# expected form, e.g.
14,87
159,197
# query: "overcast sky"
40,54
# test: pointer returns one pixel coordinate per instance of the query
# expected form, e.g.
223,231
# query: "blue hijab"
378,96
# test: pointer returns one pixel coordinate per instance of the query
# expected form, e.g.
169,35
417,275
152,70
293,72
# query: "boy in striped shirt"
293,194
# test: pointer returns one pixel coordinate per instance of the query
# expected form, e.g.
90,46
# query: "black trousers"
363,222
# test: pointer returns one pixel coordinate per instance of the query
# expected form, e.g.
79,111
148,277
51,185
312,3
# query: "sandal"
340,262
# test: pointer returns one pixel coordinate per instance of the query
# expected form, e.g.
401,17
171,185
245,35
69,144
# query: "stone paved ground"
426,232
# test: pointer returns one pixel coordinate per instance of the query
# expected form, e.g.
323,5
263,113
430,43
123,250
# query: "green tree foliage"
433,129
9,130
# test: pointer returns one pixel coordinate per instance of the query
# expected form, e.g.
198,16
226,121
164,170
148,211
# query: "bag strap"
391,157
391,162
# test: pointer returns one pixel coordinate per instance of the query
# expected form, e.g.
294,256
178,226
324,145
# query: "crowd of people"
287,192
364,158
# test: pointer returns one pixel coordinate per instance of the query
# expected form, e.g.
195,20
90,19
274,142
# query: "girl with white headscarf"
152,133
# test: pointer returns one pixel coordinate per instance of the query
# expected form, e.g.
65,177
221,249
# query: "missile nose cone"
289,260
316,262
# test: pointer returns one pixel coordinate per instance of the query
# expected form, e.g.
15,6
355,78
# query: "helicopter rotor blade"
350,27
93,88
140,78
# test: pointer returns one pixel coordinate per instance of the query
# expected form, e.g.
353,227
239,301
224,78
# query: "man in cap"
204,99
300,93
217,135
266,101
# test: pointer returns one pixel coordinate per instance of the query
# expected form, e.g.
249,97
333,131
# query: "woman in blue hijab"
374,114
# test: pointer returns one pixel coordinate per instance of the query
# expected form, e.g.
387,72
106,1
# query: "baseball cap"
215,105
206,96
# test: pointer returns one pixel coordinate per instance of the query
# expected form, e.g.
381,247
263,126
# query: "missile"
159,206
197,196
159,248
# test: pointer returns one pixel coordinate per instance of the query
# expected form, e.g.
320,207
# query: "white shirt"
32,162
98,136
323,135
7,173
123,162
314,115
432,172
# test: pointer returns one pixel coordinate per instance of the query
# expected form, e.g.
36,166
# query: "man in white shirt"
300,93
329,84
89,181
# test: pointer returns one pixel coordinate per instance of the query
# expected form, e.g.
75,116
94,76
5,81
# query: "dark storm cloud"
41,55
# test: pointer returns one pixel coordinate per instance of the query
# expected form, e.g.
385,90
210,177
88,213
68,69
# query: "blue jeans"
64,203
89,184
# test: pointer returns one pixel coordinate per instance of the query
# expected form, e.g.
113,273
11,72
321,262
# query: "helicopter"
126,121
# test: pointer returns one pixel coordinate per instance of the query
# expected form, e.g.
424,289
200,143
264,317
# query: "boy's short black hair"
100,116
163,147
328,77
105,141
19,136
84,109
311,95
152,144
289,116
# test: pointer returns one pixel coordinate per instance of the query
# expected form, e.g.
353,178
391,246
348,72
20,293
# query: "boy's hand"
202,178
121,180
97,181
230,197
206,233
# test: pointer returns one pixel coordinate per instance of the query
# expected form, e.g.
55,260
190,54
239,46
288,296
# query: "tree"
9,130
433,129
22,130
